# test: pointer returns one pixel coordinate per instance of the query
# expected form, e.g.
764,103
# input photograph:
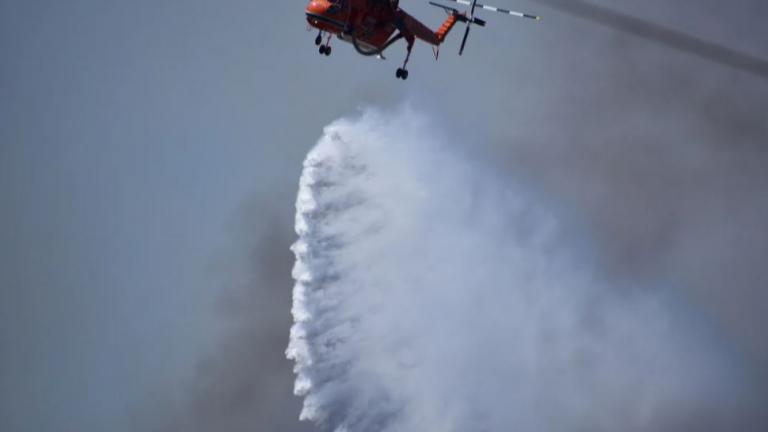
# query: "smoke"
664,36
433,295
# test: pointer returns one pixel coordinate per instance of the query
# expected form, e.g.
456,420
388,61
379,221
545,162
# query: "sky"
150,155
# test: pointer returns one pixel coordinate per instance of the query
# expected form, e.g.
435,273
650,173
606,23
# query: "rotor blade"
464,41
444,7
665,36
472,9
500,10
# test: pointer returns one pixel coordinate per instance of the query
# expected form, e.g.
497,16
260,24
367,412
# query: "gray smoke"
662,156
662,35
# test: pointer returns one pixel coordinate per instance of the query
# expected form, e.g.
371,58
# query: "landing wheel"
402,72
318,40
327,50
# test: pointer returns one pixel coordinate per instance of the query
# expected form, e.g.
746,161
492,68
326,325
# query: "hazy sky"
150,153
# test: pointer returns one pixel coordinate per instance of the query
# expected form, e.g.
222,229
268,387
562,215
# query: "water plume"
434,295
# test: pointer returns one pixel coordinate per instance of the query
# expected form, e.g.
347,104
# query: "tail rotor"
469,26
470,18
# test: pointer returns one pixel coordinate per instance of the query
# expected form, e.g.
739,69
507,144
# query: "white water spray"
431,296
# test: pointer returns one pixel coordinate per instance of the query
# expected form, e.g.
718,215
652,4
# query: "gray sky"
150,153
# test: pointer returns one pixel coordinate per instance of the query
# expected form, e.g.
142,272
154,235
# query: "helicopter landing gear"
326,47
402,73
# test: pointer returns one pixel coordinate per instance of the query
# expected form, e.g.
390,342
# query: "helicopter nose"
318,7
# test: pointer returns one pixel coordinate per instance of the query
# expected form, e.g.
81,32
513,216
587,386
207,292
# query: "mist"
434,294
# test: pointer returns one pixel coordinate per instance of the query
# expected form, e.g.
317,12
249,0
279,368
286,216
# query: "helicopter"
372,26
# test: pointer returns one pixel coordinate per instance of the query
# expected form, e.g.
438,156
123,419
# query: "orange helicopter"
370,25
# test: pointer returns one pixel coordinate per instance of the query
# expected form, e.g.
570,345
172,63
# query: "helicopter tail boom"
448,25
